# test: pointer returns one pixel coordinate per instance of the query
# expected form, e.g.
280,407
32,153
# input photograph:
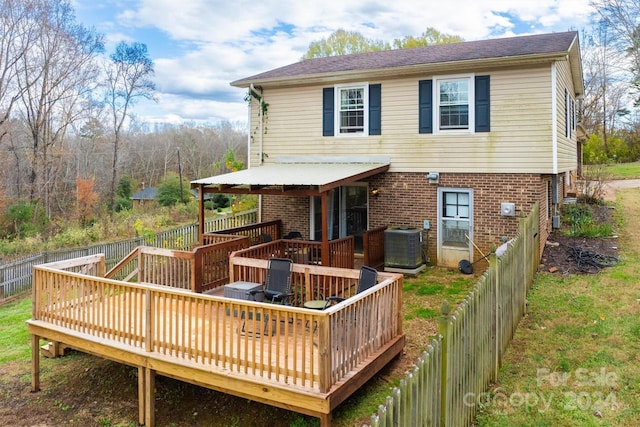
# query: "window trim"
437,80
336,117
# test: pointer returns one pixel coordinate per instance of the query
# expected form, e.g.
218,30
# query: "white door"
455,214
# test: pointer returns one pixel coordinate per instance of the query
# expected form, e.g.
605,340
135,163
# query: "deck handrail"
134,315
256,232
373,247
199,270
341,251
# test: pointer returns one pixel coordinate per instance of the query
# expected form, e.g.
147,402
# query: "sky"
200,46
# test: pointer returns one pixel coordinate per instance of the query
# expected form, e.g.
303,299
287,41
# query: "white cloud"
232,40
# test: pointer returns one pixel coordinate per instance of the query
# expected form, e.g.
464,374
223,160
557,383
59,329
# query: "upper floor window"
453,99
449,104
351,109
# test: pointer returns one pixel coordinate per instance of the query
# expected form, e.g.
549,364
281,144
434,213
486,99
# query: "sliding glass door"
347,214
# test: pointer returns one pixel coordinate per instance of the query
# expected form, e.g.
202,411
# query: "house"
147,195
458,139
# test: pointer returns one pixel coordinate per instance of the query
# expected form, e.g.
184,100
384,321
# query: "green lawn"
623,170
14,338
575,359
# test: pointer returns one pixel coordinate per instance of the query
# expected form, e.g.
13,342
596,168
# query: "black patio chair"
293,235
277,287
368,278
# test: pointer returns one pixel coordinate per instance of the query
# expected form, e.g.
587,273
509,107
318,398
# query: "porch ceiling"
293,177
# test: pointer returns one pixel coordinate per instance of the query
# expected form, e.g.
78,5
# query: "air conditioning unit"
403,248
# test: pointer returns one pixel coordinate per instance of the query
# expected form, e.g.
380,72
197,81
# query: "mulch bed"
561,251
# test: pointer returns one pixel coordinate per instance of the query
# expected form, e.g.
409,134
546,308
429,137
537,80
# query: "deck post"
149,397
35,363
141,395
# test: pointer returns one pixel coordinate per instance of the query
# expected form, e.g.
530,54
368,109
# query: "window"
453,98
454,104
351,110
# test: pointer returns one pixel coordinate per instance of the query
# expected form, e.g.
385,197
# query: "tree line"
69,142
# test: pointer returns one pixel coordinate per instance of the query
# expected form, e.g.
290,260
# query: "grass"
623,170
14,338
575,358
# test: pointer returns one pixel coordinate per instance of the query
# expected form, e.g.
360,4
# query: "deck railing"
199,270
304,251
257,233
373,247
286,345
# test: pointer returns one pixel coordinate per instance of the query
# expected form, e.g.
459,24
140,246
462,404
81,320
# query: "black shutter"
327,111
425,106
375,109
483,116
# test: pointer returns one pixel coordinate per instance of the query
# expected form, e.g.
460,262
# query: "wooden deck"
308,361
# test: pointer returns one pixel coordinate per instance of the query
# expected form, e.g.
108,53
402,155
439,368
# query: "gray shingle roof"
148,193
521,46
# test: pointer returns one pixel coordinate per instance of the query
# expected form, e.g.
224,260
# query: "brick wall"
407,199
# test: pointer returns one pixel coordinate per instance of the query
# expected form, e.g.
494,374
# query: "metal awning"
294,176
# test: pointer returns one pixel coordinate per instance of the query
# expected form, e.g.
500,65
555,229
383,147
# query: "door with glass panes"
455,227
347,216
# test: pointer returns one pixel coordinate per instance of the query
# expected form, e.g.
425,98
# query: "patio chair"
277,287
368,278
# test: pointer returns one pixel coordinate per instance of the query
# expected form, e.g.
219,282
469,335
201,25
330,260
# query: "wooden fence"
15,277
444,386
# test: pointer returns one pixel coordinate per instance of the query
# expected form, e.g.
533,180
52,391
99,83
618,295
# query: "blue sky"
200,46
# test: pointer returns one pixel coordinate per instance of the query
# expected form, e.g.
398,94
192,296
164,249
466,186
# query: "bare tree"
57,73
622,18
606,86
128,78
17,32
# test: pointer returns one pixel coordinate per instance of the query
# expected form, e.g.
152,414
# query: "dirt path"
611,186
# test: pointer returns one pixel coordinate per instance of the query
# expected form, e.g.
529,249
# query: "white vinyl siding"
520,140
567,154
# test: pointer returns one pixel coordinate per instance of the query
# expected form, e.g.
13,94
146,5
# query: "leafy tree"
169,192
86,199
128,79
25,218
221,201
343,42
431,36
124,193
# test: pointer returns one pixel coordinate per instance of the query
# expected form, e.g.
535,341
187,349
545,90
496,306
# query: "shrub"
580,222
